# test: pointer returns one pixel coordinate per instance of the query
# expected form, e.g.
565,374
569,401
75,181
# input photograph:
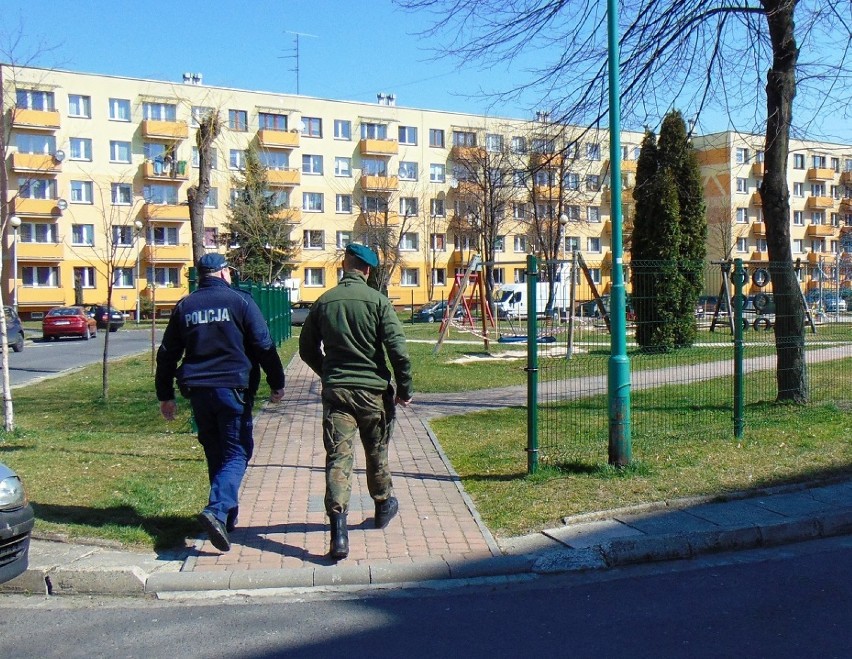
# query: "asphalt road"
43,359
784,603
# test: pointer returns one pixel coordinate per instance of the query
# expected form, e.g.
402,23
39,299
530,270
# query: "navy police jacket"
221,337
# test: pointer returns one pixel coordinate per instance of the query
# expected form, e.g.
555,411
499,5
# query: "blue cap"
213,262
364,253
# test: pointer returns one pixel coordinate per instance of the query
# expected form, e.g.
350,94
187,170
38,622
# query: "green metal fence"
714,385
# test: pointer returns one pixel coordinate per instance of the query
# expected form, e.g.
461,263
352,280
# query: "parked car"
106,317
14,330
590,308
16,524
299,312
432,312
833,303
68,321
706,304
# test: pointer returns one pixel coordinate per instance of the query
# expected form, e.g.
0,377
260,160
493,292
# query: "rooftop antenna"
295,54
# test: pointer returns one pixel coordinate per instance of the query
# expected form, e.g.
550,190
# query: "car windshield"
63,311
428,307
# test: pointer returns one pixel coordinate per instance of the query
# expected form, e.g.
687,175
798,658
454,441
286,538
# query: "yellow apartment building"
98,168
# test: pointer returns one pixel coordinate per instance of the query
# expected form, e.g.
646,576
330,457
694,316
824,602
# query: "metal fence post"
532,364
739,279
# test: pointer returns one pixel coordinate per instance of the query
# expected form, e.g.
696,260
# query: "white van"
512,300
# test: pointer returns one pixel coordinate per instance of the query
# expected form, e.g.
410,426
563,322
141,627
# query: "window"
835,164
464,242
375,205
408,135
36,188
436,138
212,198
79,106
818,162
742,184
211,237
311,127
163,236
798,189
270,121
573,213
410,241
214,158
572,243
83,234
464,138
237,159
500,244
313,239
593,182
741,155
123,277
595,275
759,155
519,145
593,151
31,143
499,275
409,277
81,192
119,151
571,181
160,194
742,245
437,173
408,206
818,245
817,189
34,99
593,245
40,276
544,145
81,148
119,109
798,161
437,208
122,236
343,167
238,120
545,210
519,210
493,143
197,114
314,277
520,244
374,167
439,276
343,239
798,218
374,131
593,213
342,129
798,246
163,277
408,171
312,202
343,203
520,276
36,232
85,275
817,217
159,111
761,245
438,242
311,164
742,215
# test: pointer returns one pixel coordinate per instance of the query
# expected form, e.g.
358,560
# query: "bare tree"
702,56
209,127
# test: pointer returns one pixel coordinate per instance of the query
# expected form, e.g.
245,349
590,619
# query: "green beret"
364,253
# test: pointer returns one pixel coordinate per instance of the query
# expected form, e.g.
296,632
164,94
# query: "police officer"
221,340
344,340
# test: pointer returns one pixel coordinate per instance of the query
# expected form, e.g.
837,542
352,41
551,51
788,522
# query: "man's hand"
402,402
168,408
277,395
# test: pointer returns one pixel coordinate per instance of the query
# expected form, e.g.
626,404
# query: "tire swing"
763,322
760,302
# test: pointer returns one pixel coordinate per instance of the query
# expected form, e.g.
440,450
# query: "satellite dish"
59,156
301,126
454,182
61,204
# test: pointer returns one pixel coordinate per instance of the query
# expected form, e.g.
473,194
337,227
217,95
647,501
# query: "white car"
16,524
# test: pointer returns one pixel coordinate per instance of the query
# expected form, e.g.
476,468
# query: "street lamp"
15,221
137,224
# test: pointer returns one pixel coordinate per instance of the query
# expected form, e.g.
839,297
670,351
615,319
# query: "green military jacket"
347,335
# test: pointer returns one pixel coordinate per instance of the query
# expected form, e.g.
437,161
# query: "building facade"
98,167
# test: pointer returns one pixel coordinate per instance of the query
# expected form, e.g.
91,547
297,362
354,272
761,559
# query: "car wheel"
431,319
18,345
87,334
113,329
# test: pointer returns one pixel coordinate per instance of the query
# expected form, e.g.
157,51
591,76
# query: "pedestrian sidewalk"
282,537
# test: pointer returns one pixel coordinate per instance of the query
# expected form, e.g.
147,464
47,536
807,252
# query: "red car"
68,321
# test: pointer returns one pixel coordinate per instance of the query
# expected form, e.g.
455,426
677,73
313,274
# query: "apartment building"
98,168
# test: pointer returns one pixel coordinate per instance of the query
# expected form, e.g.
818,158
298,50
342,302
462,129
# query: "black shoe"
231,524
386,511
215,530
339,536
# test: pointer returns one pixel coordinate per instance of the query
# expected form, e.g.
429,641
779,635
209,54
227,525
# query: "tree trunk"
208,131
791,373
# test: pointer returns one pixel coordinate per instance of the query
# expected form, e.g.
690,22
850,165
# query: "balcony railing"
40,207
820,230
756,199
153,211
160,170
38,163
467,153
165,130
379,183
35,119
376,147
819,203
759,228
820,174
284,177
28,252
757,169
181,253
278,139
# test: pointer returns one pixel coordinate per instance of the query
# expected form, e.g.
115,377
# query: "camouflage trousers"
345,414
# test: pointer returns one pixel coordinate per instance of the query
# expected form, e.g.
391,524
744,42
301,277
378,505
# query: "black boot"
386,511
339,536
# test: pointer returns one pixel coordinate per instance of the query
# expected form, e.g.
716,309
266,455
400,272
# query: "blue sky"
356,49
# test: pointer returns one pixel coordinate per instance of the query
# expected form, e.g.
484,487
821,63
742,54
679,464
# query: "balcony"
39,207
629,166
819,230
819,203
283,177
29,252
165,295
156,170
152,211
758,228
815,257
757,169
38,298
553,160
35,119
756,199
758,255
820,174
278,139
376,147
37,163
373,183
544,193
165,130
467,153
167,253
289,216
378,219
846,177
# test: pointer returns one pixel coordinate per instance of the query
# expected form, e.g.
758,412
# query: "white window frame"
81,192
313,239
343,166
40,276
314,277
407,170
79,106
343,129
343,203
437,173
117,150
593,245
409,241
409,277
83,235
81,149
408,135
313,202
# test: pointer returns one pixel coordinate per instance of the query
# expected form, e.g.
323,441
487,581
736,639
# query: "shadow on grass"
168,532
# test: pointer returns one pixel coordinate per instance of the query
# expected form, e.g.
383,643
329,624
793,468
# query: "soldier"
344,341
223,339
